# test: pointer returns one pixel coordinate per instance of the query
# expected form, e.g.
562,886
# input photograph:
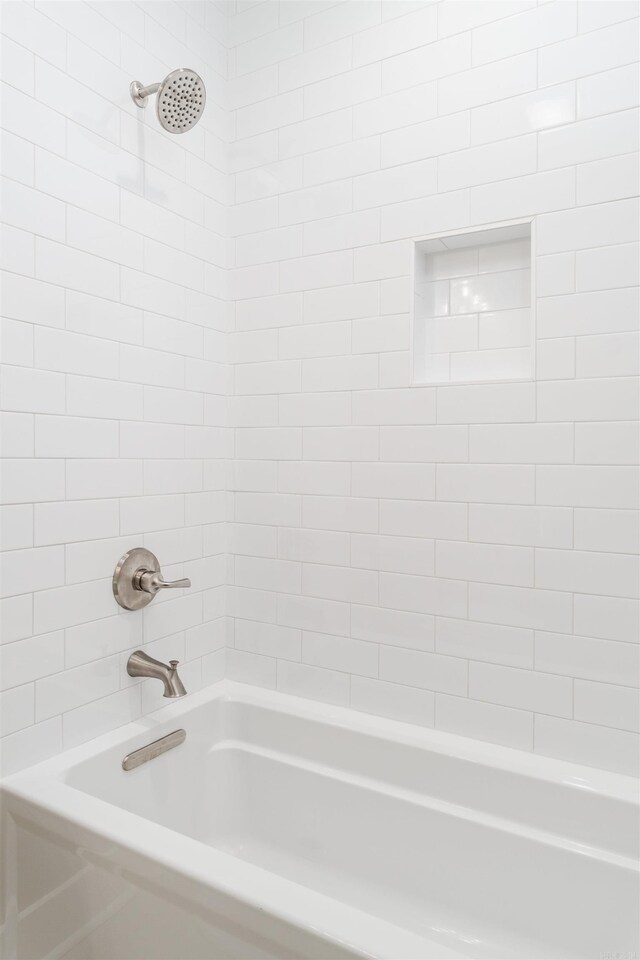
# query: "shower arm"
139,93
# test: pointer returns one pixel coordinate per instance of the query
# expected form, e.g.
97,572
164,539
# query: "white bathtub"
283,828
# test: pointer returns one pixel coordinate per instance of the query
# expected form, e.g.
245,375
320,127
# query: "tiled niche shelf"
473,319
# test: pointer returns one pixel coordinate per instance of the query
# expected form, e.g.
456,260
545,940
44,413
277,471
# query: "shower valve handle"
137,578
151,581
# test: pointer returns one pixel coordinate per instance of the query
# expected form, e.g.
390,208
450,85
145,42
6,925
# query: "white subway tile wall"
113,348
463,557
457,556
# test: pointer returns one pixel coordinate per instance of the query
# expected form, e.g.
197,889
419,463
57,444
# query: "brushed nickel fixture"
181,97
140,664
153,750
137,578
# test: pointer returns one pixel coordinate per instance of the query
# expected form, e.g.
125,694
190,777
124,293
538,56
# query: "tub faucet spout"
141,664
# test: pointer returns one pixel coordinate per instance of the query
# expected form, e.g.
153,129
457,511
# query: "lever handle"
151,581
138,577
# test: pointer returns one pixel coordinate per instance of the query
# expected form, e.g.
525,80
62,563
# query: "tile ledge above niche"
473,308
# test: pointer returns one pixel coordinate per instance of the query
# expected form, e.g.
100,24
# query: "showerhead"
180,101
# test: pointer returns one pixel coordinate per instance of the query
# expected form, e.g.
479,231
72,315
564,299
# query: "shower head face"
180,101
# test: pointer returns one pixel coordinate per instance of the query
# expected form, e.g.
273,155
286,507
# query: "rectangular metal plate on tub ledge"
153,749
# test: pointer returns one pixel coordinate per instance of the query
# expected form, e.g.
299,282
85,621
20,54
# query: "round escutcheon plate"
133,562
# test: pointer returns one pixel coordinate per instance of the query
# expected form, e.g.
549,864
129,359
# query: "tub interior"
446,847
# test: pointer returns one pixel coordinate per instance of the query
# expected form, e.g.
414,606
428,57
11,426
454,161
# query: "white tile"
26,117
340,513
65,522
316,133
26,481
314,546
444,57
588,140
608,91
586,54
486,83
607,705
486,483
485,721
611,179
537,193
24,571
340,373
599,399
96,718
344,90
427,670
393,554
534,28
607,618
423,594
16,526
340,653
582,313
314,65
395,110
520,607
32,210
17,343
33,657
96,479
56,263
499,403
392,627
308,613
511,158
509,646
592,16
346,159
591,226
329,409
267,574
528,525
331,479
417,443
76,686
423,519
524,443
34,391
427,139
591,659
268,639
607,443
316,683
395,36
605,267
393,700
31,745
588,572
251,668
586,743
403,481
17,708
340,443
73,353
485,563
16,616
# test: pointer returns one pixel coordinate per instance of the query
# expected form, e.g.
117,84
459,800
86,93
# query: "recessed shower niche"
473,317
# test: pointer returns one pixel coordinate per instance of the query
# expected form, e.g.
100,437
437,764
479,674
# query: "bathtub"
287,828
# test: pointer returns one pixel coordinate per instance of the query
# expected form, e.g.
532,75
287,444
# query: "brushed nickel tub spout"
141,664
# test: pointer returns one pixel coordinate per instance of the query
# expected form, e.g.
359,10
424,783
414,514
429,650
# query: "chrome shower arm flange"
139,92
